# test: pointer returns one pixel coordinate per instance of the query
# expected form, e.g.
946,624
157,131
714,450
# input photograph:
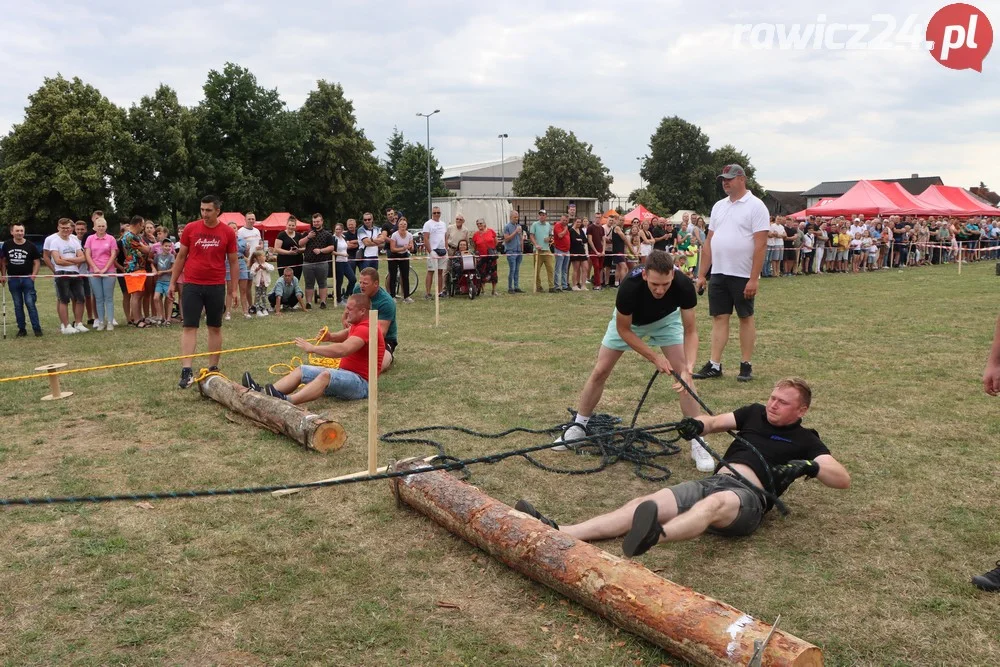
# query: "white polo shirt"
251,236
733,225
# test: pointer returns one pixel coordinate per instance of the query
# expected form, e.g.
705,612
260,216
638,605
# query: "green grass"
876,575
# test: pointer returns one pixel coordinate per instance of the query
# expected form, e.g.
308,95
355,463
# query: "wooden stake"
437,298
538,276
373,369
959,259
353,475
55,393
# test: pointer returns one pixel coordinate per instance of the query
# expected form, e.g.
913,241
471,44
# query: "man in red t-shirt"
595,240
560,239
350,381
206,245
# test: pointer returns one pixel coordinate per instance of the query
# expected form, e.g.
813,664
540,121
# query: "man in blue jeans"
349,382
19,264
513,244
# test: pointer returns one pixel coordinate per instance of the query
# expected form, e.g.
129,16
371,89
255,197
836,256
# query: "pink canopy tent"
238,218
640,212
955,201
904,199
274,224
801,215
864,198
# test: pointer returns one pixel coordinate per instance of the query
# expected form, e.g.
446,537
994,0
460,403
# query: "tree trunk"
683,622
309,430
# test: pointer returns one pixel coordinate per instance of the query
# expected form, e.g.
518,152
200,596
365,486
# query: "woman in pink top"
100,250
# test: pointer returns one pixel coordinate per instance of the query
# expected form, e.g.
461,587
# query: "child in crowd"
872,253
260,278
866,248
162,254
856,253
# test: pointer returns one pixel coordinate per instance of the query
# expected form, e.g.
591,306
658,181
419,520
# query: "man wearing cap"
734,249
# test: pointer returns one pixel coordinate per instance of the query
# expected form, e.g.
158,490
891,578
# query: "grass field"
875,575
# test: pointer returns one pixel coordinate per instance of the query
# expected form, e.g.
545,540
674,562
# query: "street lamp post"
642,163
503,181
428,117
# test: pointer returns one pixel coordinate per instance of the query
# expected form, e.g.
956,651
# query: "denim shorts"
344,385
663,332
751,511
161,287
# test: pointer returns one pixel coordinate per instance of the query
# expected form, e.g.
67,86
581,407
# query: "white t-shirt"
437,229
402,241
363,232
66,249
251,236
341,248
776,241
733,225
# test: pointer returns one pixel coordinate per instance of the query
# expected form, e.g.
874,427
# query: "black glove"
788,473
689,428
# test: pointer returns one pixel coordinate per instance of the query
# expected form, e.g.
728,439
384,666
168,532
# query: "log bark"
281,417
683,622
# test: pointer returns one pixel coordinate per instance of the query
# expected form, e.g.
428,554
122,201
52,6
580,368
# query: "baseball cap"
732,171
541,211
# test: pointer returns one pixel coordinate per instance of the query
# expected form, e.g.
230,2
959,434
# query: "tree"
729,155
153,176
58,161
679,168
409,188
395,145
562,166
648,199
340,176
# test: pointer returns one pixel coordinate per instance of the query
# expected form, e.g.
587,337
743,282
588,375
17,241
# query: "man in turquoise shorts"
655,302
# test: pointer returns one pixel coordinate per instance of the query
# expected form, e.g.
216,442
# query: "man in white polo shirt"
434,232
734,251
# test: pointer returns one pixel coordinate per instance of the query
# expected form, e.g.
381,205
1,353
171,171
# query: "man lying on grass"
350,381
721,504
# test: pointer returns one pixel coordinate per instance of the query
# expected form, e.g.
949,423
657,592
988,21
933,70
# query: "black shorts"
69,287
614,260
86,288
208,298
390,346
751,513
726,293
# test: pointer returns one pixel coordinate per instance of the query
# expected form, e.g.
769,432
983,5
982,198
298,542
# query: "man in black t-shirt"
659,234
319,245
19,264
655,302
721,503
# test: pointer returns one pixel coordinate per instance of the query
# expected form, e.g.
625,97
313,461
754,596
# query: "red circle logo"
961,36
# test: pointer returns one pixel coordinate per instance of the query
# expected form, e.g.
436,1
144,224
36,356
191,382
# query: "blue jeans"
344,385
344,270
367,262
562,269
104,296
22,291
514,273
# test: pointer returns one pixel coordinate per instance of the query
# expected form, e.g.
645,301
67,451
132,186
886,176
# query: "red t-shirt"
596,234
561,244
358,362
485,240
208,248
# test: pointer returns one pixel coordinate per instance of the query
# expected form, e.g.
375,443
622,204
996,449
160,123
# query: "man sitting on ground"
386,307
721,503
286,292
349,382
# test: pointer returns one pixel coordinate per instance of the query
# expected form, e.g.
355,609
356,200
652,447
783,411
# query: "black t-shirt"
777,444
352,236
577,242
323,239
289,242
790,233
635,299
20,258
897,232
617,241
660,237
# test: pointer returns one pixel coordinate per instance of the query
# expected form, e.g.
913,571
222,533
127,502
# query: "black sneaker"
518,290
708,371
322,305
213,369
38,333
309,306
524,506
187,378
989,581
21,333
552,290
252,310
249,383
274,393
645,531
90,323
746,372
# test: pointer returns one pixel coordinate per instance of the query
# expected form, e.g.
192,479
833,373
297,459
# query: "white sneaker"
262,313
228,317
109,327
81,327
114,321
407,300
247,316
98,325
703,461
572,432
67,329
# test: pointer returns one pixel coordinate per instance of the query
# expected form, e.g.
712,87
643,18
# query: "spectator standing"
561,243
734,248
260,279
821,237
342,265
578,254
775,247
513,243
843,247
163,256
485,240
80,230
64,255
435,232
239,284
791,245
595,241
618,244
136,252
19,264
206,248
808,247
251,236
400,246
541,237
319,246
286,247
351,235
645,241
286,292
100,249
370,239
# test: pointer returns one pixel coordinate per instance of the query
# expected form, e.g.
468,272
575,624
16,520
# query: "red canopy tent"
801,215
640,212
904,199
274,224
864,198
951,200
238,218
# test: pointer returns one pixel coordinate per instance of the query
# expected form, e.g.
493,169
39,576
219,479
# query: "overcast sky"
607,71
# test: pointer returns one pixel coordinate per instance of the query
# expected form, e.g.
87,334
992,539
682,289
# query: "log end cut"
329,437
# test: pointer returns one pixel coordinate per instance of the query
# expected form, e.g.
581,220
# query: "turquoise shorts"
661,333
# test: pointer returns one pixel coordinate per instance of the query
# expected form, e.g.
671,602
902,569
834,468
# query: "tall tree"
340,177
395,146
562,166
153,176
409,188
58,161
729,155
679,168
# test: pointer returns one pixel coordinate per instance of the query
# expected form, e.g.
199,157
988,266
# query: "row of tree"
76,151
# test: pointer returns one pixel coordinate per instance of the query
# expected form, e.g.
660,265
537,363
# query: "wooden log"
683,622
281,417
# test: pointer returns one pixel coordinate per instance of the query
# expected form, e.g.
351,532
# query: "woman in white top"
645,241
400,246
342,264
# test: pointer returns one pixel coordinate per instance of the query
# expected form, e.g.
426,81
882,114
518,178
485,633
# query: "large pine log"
309,430
683,622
